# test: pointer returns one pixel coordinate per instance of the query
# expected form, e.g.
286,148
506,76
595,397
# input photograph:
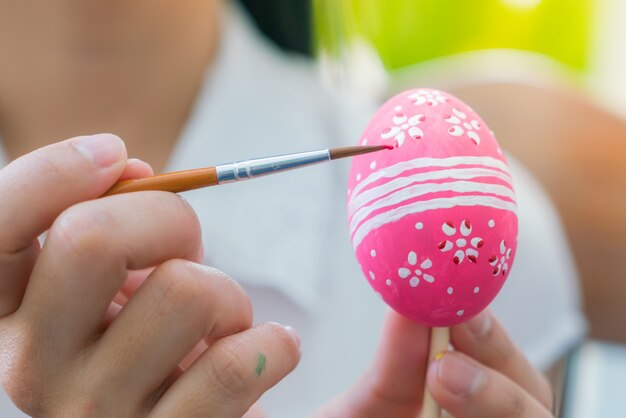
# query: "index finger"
36,188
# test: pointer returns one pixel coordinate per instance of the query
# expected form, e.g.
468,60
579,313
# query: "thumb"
39,186
393,386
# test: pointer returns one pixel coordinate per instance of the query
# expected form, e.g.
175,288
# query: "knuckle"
183,211
44,158
24,395
229,371
90,396
514,406
211,283
237,297
23,391
79,230
21,373
179,290
182,215
190,290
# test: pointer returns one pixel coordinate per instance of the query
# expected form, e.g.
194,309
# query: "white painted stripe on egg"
359,200
412,192
396,169
398,213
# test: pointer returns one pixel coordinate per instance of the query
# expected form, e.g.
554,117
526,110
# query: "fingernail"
294,334
142,163
458,375
481,324
103,150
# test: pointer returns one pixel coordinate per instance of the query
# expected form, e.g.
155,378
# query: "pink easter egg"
433,222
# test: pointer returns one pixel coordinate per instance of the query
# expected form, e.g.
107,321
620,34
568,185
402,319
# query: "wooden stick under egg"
439,342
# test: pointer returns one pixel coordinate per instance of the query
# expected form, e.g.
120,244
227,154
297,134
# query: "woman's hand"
67,349
486,377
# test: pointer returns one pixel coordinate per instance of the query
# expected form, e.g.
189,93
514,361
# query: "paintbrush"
181,181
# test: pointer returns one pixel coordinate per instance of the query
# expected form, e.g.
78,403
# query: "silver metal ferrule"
245,170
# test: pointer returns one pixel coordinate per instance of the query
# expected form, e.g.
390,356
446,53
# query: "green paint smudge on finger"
260,364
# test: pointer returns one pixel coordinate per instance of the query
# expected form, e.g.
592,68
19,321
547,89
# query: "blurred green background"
404,32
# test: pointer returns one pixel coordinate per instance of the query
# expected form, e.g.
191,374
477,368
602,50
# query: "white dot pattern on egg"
439,208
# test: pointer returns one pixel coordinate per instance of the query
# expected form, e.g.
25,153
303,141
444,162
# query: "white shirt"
285,238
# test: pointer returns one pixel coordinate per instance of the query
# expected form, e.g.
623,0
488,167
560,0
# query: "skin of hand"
485,377
99,321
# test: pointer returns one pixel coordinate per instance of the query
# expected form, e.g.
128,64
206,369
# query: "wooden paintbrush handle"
179,181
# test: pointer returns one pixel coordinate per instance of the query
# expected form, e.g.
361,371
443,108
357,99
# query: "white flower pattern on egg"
467,246
416,273
500,263
403,125
428,97
461,126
